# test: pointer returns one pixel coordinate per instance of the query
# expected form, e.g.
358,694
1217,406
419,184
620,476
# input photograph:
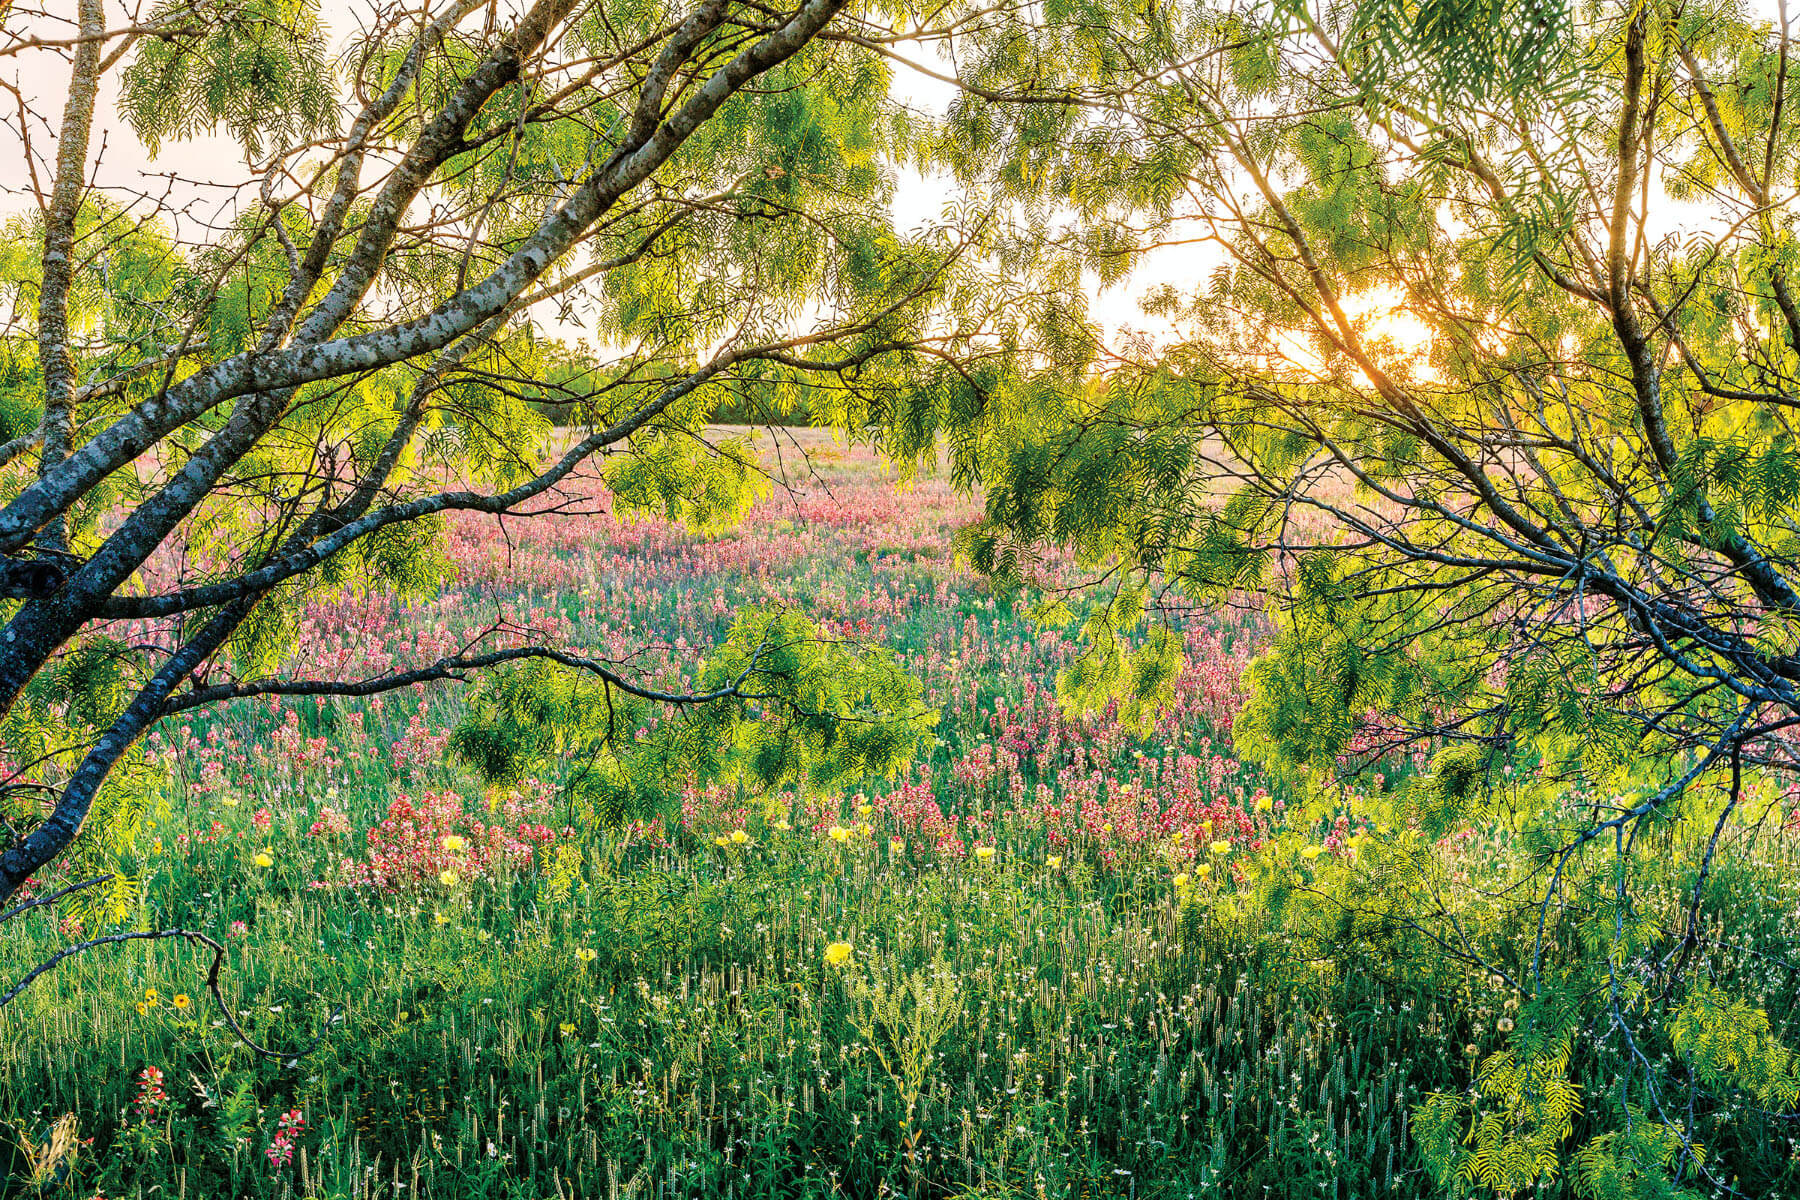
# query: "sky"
198,177
190,174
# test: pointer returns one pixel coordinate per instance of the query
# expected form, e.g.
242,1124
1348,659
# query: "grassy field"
1017,971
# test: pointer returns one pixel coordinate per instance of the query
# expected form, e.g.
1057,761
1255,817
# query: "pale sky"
188,173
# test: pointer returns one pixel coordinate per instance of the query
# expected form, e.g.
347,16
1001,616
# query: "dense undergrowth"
1046,962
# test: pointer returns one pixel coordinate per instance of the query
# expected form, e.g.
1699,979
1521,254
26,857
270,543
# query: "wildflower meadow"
1028,965
898,600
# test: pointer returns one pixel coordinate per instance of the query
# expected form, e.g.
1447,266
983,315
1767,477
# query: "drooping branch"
459,667
213,986
262,381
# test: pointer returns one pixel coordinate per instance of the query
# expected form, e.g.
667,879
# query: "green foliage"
528,713
1512,483
1451,531
778,703
1522,1110
1476,48
259,69
810,709
1729,1044
902,1017
117,902
1634,1162
1138,679
684,479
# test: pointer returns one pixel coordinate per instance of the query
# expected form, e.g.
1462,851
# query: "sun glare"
1394,338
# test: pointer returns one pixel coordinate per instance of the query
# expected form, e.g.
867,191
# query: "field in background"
1002,975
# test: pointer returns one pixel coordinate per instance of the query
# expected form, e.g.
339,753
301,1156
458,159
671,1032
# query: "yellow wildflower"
838,833
739,837
1203,870
1264,803
180,1000
1220,847
1181,880
1053,862
863,810
264,858
585,955
984,852
447,878
453,843
438,918
721,840
567,1028
1312,852
838,953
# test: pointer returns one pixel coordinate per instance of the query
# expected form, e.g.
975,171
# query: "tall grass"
1110,1041
650,1012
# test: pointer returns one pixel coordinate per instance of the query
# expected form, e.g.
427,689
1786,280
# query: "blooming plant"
1075,897
289,1127
150,1094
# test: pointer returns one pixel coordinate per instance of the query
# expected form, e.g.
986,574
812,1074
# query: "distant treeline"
734,412
737,411
569,375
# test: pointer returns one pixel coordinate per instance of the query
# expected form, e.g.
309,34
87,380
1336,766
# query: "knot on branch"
37,577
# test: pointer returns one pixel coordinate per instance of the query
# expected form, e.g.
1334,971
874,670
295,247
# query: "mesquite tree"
1486,387
212,420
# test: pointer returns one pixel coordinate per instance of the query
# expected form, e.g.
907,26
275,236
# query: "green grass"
1101,1030
1110,1042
